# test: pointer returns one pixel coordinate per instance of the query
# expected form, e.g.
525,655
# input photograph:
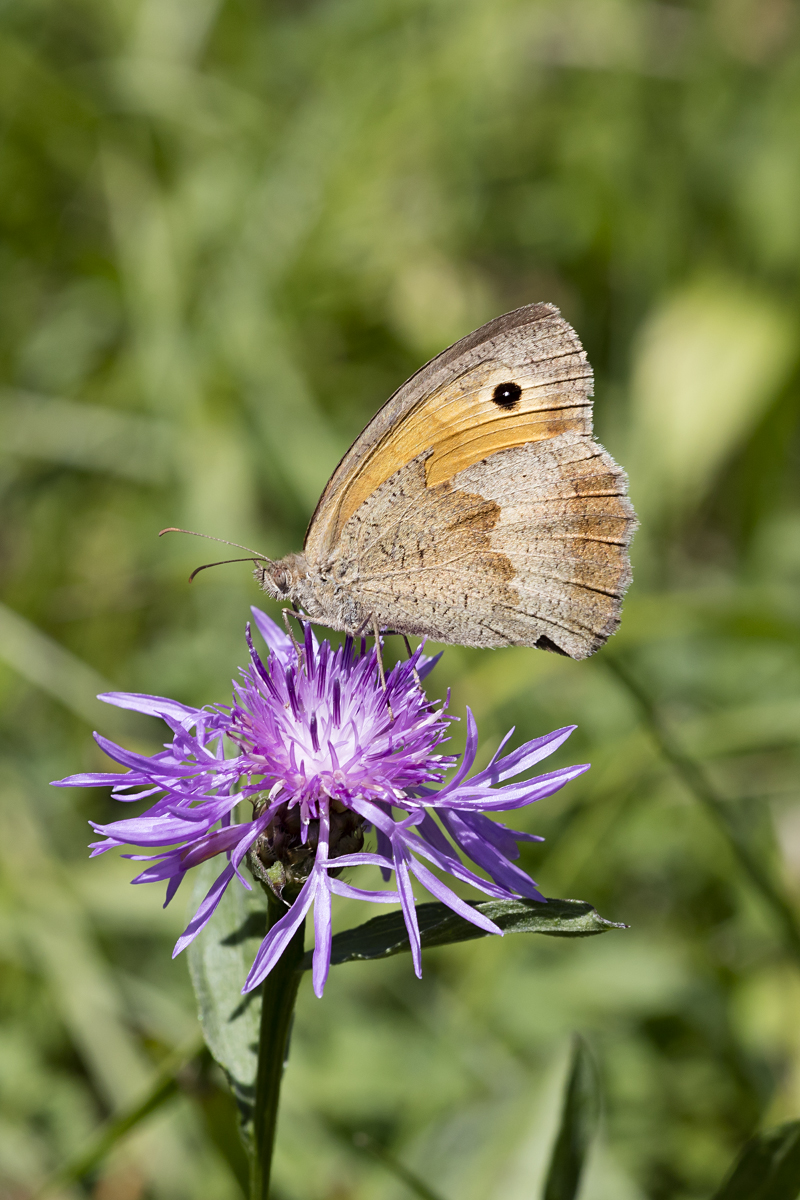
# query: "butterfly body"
475,508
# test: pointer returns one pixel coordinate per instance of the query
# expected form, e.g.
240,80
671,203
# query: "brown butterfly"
475,508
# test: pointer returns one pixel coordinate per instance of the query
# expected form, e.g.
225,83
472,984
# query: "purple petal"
425,664
483,827
238,838
339,888
382,822
280,935
278,642
172,887
92,779
157,832
162,831
506,873
322,935
433,834
512,795
154,706
525,757
141,762
443,893
385,850
205,911
470,750
361,858
132,797
261,670
503,743
101,847
409,909
453,866
248,834
163,868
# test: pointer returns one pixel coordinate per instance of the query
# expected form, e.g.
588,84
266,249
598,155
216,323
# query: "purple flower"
320,755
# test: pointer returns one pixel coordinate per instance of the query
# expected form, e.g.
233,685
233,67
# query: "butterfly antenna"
225,542
223,563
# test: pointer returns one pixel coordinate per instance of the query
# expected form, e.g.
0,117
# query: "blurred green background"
230,228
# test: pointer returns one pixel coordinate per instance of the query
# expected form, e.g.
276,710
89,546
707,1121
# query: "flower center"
281,859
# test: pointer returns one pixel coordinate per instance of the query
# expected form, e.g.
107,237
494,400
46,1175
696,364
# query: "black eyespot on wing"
506,395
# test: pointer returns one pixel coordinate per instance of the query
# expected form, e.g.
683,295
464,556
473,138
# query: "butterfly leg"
287,613
377,634
417,679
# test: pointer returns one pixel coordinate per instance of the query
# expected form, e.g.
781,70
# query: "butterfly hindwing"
525,547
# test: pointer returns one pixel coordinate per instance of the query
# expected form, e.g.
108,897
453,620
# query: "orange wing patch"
462,424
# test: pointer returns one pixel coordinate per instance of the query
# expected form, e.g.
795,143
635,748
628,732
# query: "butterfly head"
312,589
282,579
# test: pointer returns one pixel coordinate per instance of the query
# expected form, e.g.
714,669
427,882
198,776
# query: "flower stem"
279,993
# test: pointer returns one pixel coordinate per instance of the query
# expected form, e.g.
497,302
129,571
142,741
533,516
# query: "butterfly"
475,508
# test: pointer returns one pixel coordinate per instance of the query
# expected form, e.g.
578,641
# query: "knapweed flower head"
312,757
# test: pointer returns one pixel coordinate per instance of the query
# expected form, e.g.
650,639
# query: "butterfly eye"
506,395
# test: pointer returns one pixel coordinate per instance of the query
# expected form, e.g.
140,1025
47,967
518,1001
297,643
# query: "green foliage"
768,1167
578,1127
384,936
228,230
219,960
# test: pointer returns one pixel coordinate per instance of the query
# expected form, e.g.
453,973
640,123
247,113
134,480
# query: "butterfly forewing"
448,406
475,507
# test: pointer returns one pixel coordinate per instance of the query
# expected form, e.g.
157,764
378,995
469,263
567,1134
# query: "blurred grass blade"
47,665
768,1167
58,936
87,436
723,812
221,1119
163,1088
364,1142
219,960
578,1126
81,982
439,926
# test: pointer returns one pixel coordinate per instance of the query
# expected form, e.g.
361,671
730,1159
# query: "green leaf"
439,926
219,960
578,1125
768,1167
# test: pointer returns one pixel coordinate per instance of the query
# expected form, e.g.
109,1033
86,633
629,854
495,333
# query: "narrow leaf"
162,1089
578,1125
768,1167
386,935
219,960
